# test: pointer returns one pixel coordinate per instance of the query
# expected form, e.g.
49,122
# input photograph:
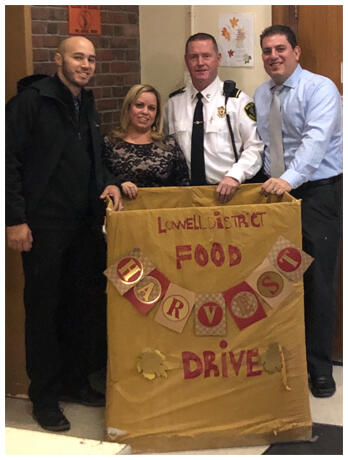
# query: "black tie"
77,107
197,149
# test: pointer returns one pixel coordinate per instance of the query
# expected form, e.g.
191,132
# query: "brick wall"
117,48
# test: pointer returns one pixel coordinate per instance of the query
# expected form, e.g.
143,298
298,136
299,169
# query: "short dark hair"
201,36
279,29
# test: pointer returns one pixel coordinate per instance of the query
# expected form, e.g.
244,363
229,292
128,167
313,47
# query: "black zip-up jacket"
39,123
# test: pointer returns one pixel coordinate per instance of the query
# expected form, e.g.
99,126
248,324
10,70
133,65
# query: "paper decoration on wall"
151,364
291,261
236,39
84,20
129,270
148,291
244,305
270,284
210,314
175,308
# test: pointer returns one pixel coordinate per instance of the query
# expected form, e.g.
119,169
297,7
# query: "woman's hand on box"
129,189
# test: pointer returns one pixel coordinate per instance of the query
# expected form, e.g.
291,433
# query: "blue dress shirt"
311,110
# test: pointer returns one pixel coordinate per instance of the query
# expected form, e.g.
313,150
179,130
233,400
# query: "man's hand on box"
276,186
19,237
114,193
227,188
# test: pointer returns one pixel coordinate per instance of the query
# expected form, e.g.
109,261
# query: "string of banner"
137,279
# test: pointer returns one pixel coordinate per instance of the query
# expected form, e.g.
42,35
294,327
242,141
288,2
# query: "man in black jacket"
56,184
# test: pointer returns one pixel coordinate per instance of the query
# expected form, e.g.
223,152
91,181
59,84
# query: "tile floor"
24,436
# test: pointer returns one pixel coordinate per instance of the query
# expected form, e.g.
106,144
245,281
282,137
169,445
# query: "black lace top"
147,165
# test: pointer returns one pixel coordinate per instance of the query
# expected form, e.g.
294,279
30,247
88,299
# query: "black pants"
65,305
321,233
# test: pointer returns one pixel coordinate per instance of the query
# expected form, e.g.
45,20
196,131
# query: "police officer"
231,148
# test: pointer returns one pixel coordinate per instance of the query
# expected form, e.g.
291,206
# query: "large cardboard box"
205,321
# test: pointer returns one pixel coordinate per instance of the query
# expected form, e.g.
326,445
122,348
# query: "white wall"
163,34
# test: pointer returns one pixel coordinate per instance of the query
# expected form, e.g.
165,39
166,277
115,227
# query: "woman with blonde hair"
138,153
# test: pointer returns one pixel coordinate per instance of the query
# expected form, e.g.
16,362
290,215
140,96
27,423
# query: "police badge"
221,111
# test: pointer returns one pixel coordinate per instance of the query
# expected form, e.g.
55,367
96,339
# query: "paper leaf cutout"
234,21
151,364
271,359
225,33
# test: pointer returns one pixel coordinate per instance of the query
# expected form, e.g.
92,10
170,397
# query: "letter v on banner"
210,314
148,291
244,305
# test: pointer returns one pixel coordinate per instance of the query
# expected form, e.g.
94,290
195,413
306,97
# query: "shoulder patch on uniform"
238,91
178,91
250,110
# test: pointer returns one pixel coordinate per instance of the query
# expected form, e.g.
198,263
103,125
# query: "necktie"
197,149
275,135
77,107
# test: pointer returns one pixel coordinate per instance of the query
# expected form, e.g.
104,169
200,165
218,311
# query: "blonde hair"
131,97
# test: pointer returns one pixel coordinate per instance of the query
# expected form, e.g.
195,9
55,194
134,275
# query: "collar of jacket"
53,87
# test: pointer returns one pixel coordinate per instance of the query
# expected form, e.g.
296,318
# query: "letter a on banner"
244,305
148,291
175,308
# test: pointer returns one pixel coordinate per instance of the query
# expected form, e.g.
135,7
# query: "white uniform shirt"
218,151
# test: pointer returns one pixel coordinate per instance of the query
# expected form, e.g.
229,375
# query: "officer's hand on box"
227,188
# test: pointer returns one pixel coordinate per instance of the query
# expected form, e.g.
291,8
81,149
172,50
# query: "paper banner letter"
175,308
244,305
129,270
210,314
291,261
269,283
148,291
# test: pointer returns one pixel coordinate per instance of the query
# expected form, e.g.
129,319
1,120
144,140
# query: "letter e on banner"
244,305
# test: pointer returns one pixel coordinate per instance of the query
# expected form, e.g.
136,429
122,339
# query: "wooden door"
319,30
18,65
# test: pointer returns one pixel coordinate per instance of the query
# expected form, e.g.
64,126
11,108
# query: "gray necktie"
275,135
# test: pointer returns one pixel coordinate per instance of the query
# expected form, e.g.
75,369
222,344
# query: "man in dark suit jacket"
55,186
